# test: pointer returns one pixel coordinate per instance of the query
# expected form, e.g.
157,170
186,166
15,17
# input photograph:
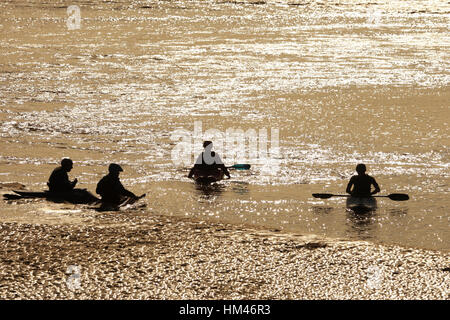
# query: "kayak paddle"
12,197
240,166
131,200
392,196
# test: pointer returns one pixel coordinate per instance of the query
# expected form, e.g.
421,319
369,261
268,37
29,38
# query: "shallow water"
342,83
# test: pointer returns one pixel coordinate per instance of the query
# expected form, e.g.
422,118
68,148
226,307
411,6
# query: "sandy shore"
157,257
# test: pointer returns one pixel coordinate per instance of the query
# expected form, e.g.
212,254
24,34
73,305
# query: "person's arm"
197,165
124,191
221,165
225,170
64,182
349,186
377,187
129,194
191,172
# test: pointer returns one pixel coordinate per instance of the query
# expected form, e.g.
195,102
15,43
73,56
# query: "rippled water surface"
343,82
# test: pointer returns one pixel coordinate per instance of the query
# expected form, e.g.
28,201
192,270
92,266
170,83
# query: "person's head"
67,164
361,168
115,169
207,143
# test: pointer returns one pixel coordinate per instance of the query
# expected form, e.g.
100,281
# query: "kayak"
207,177
76,196
361,204
127,201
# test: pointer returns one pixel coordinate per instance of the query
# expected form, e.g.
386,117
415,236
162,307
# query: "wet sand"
160,257
321,73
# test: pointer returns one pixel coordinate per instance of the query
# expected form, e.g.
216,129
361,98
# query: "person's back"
110,188
203,162
208,161
107,188
361,185
59,179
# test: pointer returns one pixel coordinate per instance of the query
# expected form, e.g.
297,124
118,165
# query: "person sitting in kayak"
59,179
361,184
208,161
111,189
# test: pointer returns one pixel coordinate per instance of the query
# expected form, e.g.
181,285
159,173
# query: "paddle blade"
322,195
241,166
12,197
398,196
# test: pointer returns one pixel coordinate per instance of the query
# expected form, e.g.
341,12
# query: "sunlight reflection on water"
343,83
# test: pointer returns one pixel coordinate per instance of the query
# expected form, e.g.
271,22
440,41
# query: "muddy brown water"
340,82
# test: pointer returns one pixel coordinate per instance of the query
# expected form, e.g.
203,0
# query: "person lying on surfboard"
59,179
111,189
208,161
361,184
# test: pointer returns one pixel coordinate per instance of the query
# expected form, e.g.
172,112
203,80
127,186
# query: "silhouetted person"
111,189
59,179
361,184
208,162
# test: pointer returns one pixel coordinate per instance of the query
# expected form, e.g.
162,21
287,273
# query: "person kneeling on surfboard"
208,162
362,183
59,179
111,189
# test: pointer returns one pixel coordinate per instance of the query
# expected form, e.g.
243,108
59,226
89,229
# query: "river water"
329,83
